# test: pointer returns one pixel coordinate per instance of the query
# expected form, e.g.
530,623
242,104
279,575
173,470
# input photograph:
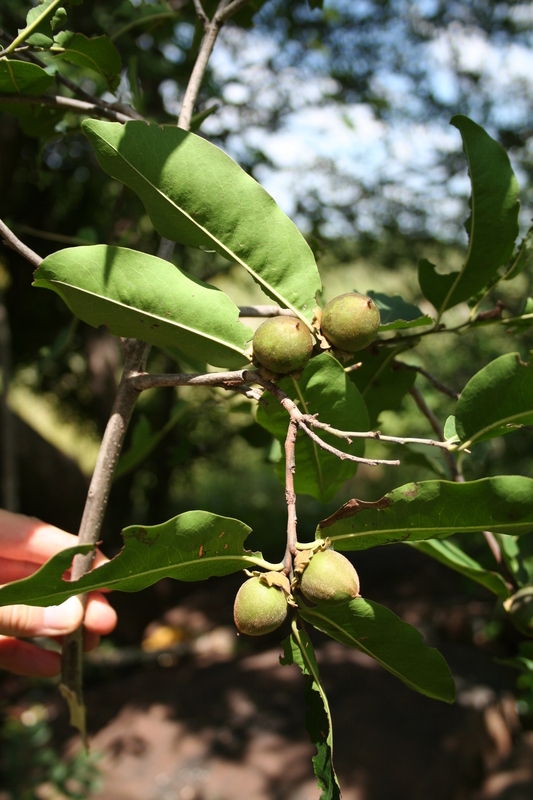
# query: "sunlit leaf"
492,226
190,547
497,400
435,510
98,54
195,194
297,649
393,643
143,297
455,558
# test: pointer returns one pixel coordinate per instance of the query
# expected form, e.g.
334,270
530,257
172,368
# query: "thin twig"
290,495
437,427
135,354
376,435
397,365
222,14
264,311
227,379
59,101
129,112
200,13
302,421
14,242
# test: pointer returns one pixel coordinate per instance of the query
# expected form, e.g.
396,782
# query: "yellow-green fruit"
521,610
259,608
329,578
350,322
282,344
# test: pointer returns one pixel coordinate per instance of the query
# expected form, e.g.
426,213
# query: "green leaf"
190,547
492,226
297,649
21,77
396,314
323,389
497,400
382,384
195,194
393,643
98,54
436,510
524,258
143,297
450,433
43,19
517,553
455,558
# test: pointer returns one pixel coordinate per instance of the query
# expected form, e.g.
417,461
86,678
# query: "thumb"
24,621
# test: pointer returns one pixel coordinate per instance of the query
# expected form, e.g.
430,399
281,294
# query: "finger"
90,641
21,620
11,570
31,540
24,658
100,617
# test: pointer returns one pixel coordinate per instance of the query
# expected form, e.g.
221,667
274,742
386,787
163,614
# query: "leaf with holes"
435,510
190,547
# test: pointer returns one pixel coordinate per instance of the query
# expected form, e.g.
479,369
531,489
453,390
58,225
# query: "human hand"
25,544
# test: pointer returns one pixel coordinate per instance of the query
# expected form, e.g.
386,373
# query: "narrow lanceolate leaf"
143,297
297,649
497,400
191,547
492,226
195,194
455,558
396,314
98,54
436,510
323,389
393,643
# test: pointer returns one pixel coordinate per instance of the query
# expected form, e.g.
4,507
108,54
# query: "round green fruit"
259,608
521,610
282,344
329,578
350,322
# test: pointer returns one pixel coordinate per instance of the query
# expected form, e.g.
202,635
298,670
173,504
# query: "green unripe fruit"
259,608
329,578
282,344
520,608
350,322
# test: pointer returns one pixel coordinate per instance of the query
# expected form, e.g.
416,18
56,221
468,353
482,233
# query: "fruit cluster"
325,576
284,344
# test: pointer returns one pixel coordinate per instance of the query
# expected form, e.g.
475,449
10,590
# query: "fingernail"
63,618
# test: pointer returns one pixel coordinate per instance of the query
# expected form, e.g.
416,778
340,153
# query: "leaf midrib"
150,314
283,301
